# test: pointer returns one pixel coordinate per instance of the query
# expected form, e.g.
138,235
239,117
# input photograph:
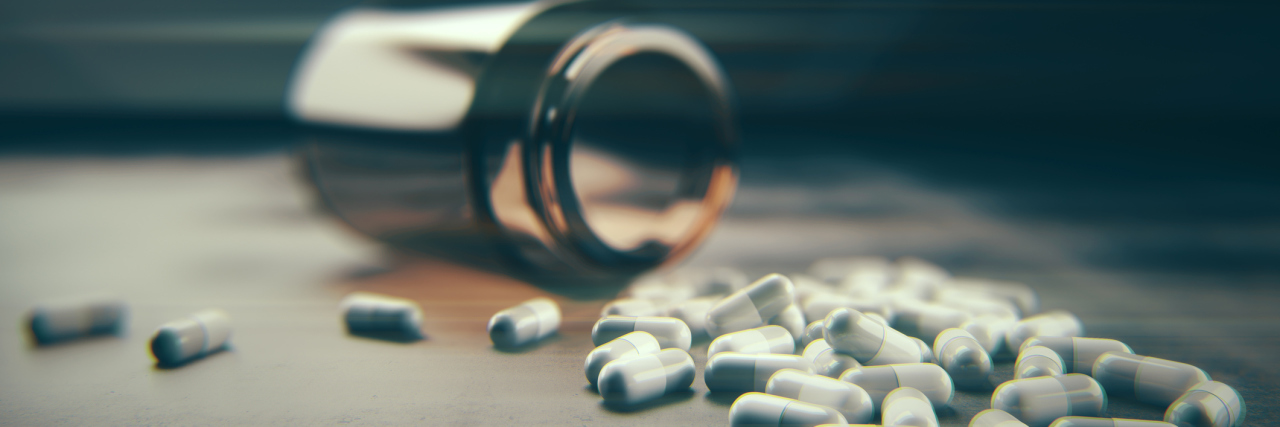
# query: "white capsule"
629,345
977,304
818,306
633,307
878,381
1040,400
1106,422
737,372
906,406
752,306
995,418
65,320
180,341
658,288
1078,353
1021,295
670,332
364,312
714,281
693,313
871,342
1148,379
963,358
926,321
826,361
807,287
792,319
811,332
1208,404
1057,323
836,269
926,353
990,332
761,410
640,379
1038,361
526,323
765,339
852,401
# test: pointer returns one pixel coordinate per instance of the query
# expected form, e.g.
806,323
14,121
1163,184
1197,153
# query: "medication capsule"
926,321
792,319
906,406
1078,353
759,409
811,332
852,401
826,361
926,353
1057,323
752,306
526,323
1021,295
1038,361
928,378
767,339
180,341
995,418
989,331
60,321
693,313
1208,404
1148,379
669,331
1040,400
640,379
1106,422
817,307
837,269
629,345
371,313
737,372
633,307
963,358
870,342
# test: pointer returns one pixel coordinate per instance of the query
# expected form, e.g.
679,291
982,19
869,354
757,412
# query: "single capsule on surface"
1208,404
817,307
767,339
752,306
1038,361
633,307
811,332
629,345
524,324
1040,400
928,378
759,409
1078,353
669,331
792,319
639,379
365,312
1106,422
963,358
870,342
693,313
852,401
737,372
1148,379
906,406
990,332
61,321
927,320
995,418
202,333
826,361
1057,323
926,353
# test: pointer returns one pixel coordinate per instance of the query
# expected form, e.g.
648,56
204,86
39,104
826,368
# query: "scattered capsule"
693,313
61,321
995,418
836,269
526,323
806,287
928,378
811,332
737,372
1057,323
372,313
871,342
640,379
792,319
1149,379
633,307
1040,400
1038,361
852,401
670,332
629,345
826,361
759,409
714,281
1106,422
977,304
963,358
926,321
906,406
654,288
766,339
1021,295
817,307
926,353
1208,404
989,331
183,340
1078,353
752,306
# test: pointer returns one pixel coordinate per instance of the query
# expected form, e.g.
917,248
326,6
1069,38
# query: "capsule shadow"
396,337
722,398
162,366
667,399
591,389
528,347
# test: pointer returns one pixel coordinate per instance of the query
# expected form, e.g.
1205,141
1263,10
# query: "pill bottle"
552,146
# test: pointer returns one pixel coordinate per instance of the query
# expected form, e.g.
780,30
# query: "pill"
759,409
963,358
657,289
639,379
670,331
990,332
372,313
836,269
693,313
718,281
629,345
1040,400
737,372
634,307
1019,294
926,321
811,332
1078,353
906,406
70,319
1208,404
526,323
926,353
826,361
976,304
1148,379
751,306
765,339
995,418
1106,422
867,278
806,287
852,401
878,381
790,318
1038,361
870,342
1057,323
817,307
199,334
